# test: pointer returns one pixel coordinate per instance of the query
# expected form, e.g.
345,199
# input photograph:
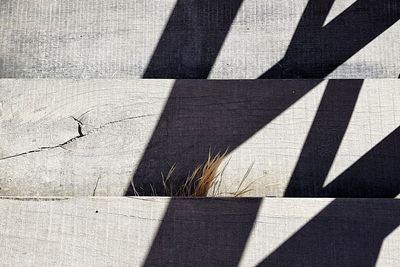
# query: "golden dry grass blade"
218,181
167,181
205,180
188,186
209,175
245,190
239,191
135,192
153,191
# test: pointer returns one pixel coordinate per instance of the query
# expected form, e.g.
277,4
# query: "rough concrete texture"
199,39
299,137
199,232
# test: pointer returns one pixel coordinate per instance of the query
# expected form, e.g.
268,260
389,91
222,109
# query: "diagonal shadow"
192,39
166,139
203,232
355,240
324,138
317,50
372,163
214,114
376,174
347,232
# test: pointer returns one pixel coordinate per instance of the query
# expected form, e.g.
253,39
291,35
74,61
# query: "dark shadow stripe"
315,51
203,232
324,138
210,114
375,174
348,232
330,46
192,39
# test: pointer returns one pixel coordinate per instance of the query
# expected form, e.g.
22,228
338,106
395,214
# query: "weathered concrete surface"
83,138
205,232
199,39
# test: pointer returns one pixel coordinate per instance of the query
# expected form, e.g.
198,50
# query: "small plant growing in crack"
204,181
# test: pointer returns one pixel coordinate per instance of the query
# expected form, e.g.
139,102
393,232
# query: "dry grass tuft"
202,181
199,183
205,180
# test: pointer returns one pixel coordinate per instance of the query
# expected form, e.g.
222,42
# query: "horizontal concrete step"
199,39
199,232
336,138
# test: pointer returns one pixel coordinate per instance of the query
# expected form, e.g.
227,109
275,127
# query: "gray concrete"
205,232
121,39
84,138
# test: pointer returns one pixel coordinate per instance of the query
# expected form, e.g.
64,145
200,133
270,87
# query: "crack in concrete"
80,135
79,126
43,148
95,187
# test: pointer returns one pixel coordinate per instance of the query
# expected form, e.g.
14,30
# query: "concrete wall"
204,232
198,39
87,136
300,137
